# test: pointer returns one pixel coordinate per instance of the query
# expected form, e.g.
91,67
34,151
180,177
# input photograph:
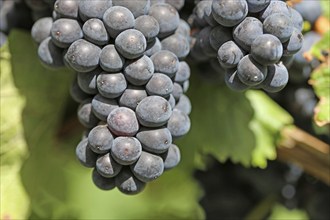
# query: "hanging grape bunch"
131,80
252,40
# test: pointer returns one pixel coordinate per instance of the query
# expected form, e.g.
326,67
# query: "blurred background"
249,155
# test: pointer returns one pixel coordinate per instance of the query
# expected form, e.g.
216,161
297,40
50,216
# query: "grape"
177,44
139,71
95,32
87,81
153,2
309,10
183,72
117,19
167,17
67,8
297,20
229,54
126,150
267,49
107,166
132,96
100,139
102,106
155,140
165,62
229,12
127,183
294,44
93,9
279,25
177,4
102,182
160,84
148,26
183,104
275,7
177,91
185,86
65,31
183,28
153,111
41,29
233,82
310,39
83,56
276,79
248,30
122,121
148,167
257,5
287,60
77,93
178,124
153,47
131,43
138,8
203,11
110,59
219,35
85,114
172,157
250,72
85,155
111,85
49,54
203,41
171,100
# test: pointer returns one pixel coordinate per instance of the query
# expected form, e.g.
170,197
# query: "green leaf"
241,127
321,46
320,80
58,185
279,212
269,119
14,200
325,8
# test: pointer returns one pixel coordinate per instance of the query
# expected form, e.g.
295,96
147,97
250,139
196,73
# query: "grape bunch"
251,40
130,83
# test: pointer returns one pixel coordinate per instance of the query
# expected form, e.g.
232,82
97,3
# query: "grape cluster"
131,80
252,40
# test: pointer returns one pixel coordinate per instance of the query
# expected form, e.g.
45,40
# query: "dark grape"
276,79
153,111
95,32
148,26
67,8
100,139
131,43
267,49
111,85
87,81
229,13
127,183
85,114
165,62
183,104
41,29
101,182
178,124
49,54
148,167
110,59
132,96
172,157
65,31
107,166
279,25
159,84
93,9
85,155
155,140
126,150
139,71
138,8
257,5
250,72
229,54
102,106
122,121
117,19
177,44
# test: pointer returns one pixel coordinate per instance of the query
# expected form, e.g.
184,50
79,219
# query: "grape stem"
308,152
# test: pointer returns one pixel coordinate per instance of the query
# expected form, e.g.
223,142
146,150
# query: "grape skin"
122,121
250,72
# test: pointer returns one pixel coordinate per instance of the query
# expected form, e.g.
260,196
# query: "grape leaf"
281,212
58,186
321,46
241,127
13,149
325,8
320,80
